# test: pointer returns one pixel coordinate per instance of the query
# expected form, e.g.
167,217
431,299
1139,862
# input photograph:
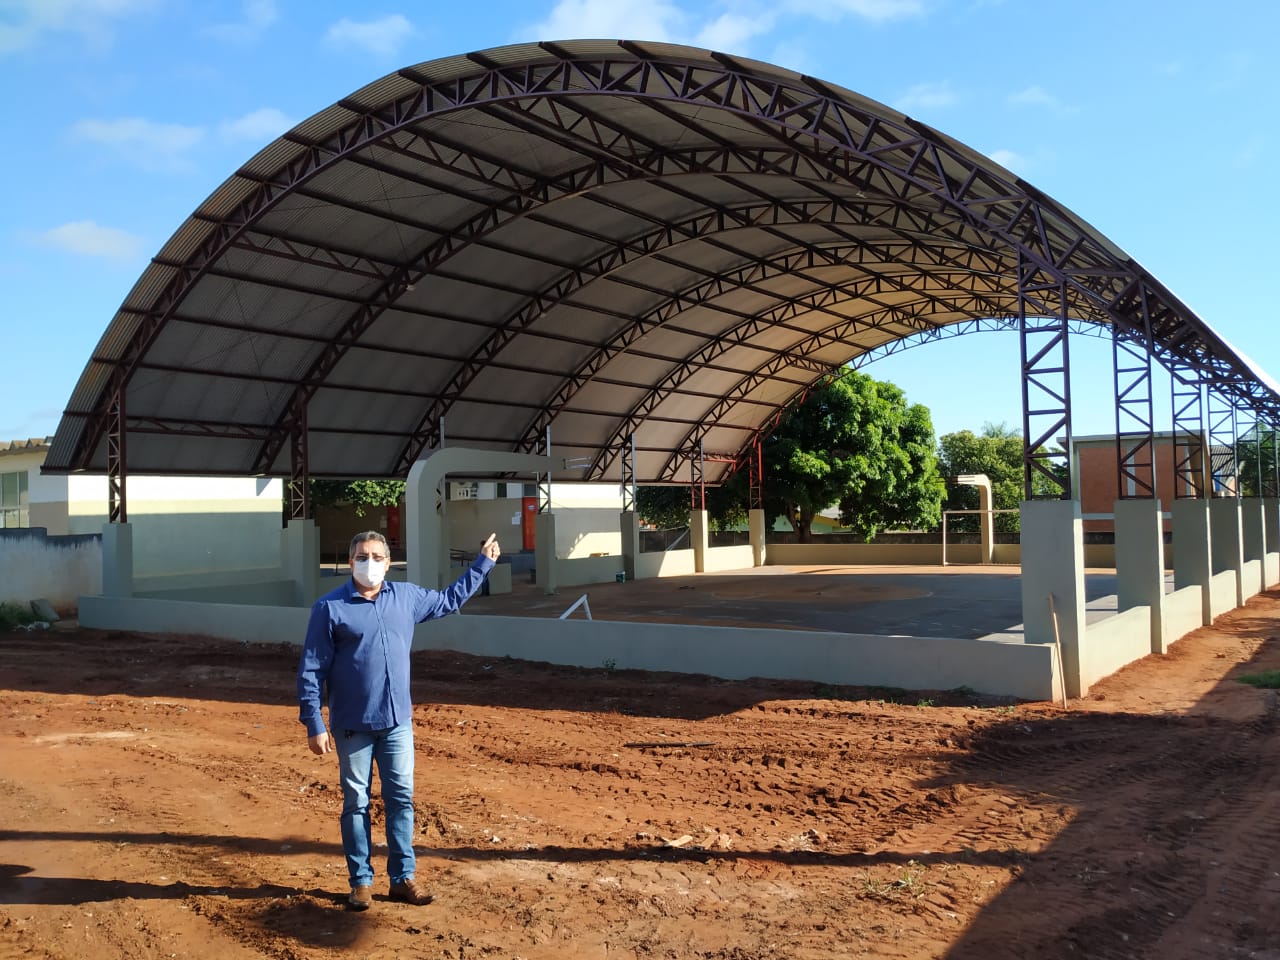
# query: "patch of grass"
1267,680
924,703
15,615
910,884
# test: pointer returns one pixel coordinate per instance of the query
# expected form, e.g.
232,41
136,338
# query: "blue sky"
1157,122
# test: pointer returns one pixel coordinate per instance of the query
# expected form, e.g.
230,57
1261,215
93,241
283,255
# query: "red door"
528,514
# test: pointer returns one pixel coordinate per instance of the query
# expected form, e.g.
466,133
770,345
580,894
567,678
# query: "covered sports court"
620,262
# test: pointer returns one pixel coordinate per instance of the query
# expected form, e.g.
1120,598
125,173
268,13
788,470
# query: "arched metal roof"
602,239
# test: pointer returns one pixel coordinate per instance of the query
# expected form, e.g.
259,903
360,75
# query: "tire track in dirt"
1146,831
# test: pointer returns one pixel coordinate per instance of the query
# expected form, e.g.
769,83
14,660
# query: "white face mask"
368,573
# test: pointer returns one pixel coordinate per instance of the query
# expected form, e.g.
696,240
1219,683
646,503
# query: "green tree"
362,494
667,507
1257,475
854,442
997,452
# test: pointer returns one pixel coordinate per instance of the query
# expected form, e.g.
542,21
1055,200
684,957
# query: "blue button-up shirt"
359,650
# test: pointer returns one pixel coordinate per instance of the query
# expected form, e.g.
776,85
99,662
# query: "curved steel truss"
630,247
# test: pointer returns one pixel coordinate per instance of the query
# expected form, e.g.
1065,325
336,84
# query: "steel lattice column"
1046,380
544,483
697,481
1188,433
299,478
117,451
1223,474
755,474
1135,416
629,476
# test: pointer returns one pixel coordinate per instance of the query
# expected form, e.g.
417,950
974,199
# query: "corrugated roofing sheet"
604,238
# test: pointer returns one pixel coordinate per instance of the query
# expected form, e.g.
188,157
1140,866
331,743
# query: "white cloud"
1037,96
382,38
88,239
152,146
874,10
261,126
1013,162
28,21
925,96
601,19
259,15
731,32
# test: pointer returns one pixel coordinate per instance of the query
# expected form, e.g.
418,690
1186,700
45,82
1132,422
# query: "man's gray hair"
365,537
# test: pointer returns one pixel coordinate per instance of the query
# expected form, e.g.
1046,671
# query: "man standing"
357,649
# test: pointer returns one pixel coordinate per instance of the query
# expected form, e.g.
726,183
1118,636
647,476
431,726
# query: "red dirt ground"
159,801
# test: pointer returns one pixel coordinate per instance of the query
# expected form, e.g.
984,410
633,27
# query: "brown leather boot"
411,891
361,898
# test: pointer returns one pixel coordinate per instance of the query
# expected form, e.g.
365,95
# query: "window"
13,500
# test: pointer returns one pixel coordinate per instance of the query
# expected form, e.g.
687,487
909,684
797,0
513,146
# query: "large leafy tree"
856,442
997,452
362,494
853,442
668,507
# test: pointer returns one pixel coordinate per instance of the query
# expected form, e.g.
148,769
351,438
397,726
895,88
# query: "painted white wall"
57,569
184,525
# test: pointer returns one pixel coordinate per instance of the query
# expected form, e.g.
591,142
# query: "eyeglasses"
375,557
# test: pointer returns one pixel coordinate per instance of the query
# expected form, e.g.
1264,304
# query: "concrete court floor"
955,601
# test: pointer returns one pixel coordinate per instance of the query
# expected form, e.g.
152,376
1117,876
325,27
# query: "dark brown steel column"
1188,433
1046,380
117,450
1135,415
299,478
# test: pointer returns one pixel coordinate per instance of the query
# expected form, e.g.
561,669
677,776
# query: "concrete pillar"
426,534
698,536
544,560
1053,581
1140,563
1226,540
1271,541
987,537
117,560
629,522
1253,527
755,526
1192,562
300,560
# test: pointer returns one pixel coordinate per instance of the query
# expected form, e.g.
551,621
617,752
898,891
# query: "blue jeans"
392,749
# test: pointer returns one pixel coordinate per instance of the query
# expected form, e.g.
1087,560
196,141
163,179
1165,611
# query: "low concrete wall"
912,663
1271,569
1222,593
1010,553
737,653
34,566
268,592
1112,643
719,559
669,563
1251,578
913,554
573,573
246,623
1183,612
